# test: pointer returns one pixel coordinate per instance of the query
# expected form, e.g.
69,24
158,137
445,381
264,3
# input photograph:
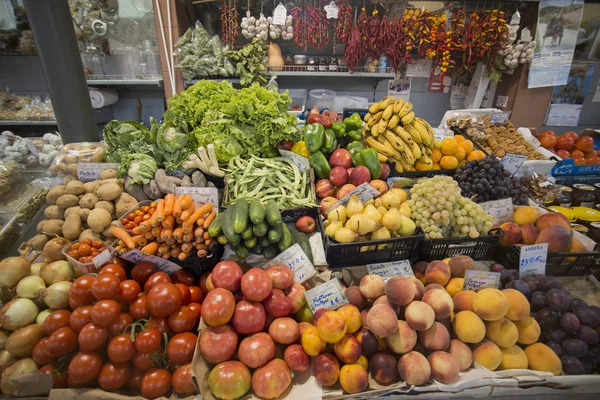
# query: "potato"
40,226
99,219
118,181
68,179
53,212
107,205
88,201
55,193
90,187
67,200
84,213
75,187
72,168
124,203
88,233
38,242
72,227
53,227
108,174
72,210
109,191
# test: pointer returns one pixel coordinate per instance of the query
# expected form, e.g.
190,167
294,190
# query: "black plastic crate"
197,265
349,254
481,248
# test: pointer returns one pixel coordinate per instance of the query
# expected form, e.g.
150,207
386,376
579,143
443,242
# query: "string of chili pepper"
354,48
318,28
409,31
390,36
300,26
373,27
229,25
363,24
344,22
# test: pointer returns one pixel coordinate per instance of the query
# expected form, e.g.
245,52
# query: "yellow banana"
394,141
413,133
426,125
425,150
386,101
398,106
406,108
387,113
374,130
381,157
389,146
406,164
382,126
408,118
408,155
420,128
426,159
398,167
372,142
416,150
374,109
436,144
393,122
368,117
402,134
374,119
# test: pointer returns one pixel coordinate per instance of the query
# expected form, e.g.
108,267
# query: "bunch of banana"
394,131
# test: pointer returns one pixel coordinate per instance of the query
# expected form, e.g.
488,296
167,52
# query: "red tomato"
39,353
92,337
139,307
580,161
182,320
182,380
202,282
105,312
135,381
565,143
142,361
186,295
148,341
592,160
155,383
59,379
163,299
197,308
56,320
114,269
114,376
548,141
121,348
183,276
564,154
585,143
81,290
575,154
61,342
545,133
142,271
571,135
84,369
157,277
74,304
118,261
162,324
129,290
116,328
80,317
197,294
180,349
106,286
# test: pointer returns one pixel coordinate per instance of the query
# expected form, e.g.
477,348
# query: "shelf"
112,80
190,82
383,75
24,122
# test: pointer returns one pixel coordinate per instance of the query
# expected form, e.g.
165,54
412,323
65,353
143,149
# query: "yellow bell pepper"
300,148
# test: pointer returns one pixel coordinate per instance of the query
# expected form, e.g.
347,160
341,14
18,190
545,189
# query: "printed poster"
400,88
438,82
556,37
567,100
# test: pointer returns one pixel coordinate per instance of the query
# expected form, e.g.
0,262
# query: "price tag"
365,192
136,256
31,146
295,258
300,161
101,258
332,10
499,118
545,183
201,195
532,260
391,269
327,295
475,280
441,134
279,15
501,210
525,35
87,172
512,162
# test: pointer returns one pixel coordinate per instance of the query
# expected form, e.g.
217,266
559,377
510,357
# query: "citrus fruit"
436,166
449,146
467,145
459,138
476,155
462,162
436,155
449,162
460,153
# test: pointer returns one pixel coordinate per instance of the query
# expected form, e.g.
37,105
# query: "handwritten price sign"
532,260
391,269
512,162
300,161
327,295
365,192
295,258
136,256
475,280
87,172
201,195
501,210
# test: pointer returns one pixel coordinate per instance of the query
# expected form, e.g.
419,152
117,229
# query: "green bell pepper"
353,122
339,129
354,134
319,163
330,141
314,136
368,158
270,152
354,148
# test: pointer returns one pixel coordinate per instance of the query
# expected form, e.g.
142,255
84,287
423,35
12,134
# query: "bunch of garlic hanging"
254,27
516,53
285,31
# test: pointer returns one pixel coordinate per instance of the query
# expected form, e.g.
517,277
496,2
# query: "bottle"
382,64
323,65
312,65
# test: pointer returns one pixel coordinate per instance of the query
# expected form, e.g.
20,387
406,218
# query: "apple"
338,176
350,171
324,188
344,190
341,158
360,175
385,171
326,203
306,224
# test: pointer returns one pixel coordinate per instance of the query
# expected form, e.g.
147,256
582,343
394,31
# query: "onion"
12,270
57,271
36,269
9,382
31,287
53,249
57,295
5,358
3,337
42,316
21,342
17,314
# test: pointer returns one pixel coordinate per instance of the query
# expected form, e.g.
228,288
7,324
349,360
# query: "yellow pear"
361,224
401,193
373,213
392,219
338,214
405,210
379,234
345,235
382,210
333,227
354,206
408,226
390,200
377,203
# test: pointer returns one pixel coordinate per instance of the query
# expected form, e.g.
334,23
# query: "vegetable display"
128,137
29,152
249,61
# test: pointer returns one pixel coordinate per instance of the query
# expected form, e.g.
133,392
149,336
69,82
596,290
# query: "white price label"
512,162
499,118
279,15
136,256
441,134
532,260
327,295
87,172
391,269
101,258
365,192
300,161
201,195
332,10
295,258
502,101
545,183
475,280
501,210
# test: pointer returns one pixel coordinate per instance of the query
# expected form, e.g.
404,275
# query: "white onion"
5,358
20,343
12,270
9,383
36,268
17,314
30,287
57,271
42,316
57,295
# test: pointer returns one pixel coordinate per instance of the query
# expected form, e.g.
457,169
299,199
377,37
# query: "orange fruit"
436,155
460,153
423,166
476,155
449,146
462,162
459,138
467,145
436,166
449,162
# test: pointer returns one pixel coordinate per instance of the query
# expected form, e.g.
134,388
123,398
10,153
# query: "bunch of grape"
439,209
486,180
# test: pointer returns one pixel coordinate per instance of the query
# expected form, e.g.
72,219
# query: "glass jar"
597,186
382,64
564,198
584,230
583,195
311,66
333,65
149,59
323,65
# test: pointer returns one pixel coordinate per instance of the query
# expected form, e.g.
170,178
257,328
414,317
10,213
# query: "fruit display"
454,152
485,180
570,145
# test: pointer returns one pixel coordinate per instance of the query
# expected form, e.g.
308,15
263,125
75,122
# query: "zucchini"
232,237
215,228
276,233
272,213
251,242
256,212
241,251
258,249
239,217
261,229
247,234
286,239
302,239
270,252
264,242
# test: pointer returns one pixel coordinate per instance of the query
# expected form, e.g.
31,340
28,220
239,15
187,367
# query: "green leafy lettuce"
140,168
128,137
174,142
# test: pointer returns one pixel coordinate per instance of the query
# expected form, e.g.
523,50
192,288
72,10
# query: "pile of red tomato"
124,333
570,145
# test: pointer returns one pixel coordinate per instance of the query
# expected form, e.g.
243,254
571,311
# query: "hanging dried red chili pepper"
229,21
344,22
373,27
354,49
484,34
390,36
300,26
318,27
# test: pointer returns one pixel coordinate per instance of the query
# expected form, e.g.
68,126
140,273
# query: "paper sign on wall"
136,256
391,269
532,260
501,210
475,280
512,162
327,295
279,15
87,172
295,258
365,192
300,161
201,195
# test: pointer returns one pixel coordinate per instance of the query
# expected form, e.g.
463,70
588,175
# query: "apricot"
490,304
352,316
519,307
462,353
526,215
435,338
543,358
399,290
468,327
419,315
332,326
513,357
512,234
414,368
488,354
440,301
438,272
363,362
529,330
311,342
502,332
354,378
403,340
529,233
348,349
463,301
444,367
372,286
459,265
454,286
432,286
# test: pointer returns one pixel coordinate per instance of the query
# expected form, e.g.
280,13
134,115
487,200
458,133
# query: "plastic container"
481,248
567,212
321,98
298,97
197,265
91,267
139,205
585,215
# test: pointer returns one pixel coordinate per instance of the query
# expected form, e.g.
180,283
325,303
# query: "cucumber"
258,249
261,229
272,213
251,242
215,227
286,239
232,237
256,212
239,218
241,251
276,233
222,239
302,239
247,234
264,242
270,252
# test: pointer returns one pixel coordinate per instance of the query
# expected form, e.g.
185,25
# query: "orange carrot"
186,247
201,246
202,253
175,251
170,241
167,234
150,249
148,235
137,230
122,234
183,255
168,222
156,230
163,248
188,225
199,232
185,214
160,210
169,203
187,237
167,255
209,219
186,202
177,206
206,235
160,239
142,242
209,242
177,233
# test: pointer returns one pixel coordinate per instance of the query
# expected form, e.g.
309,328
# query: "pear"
338,214
354,206
361,224
405,210
382,210
379,234
390,199
333,227
373,213
392,219
408,226
345,235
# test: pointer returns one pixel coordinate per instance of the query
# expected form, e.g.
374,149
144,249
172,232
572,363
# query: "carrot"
150,249
169,203
142,242
167,255
175,251
187,202
200,221
177,233
136,239
186,247
185,214
118,248
160,210
163,248
202,253
199,232
183,255
177,207
206,235
160,239
199,213
171,241
156,230
122,234
201,246
187,237
149,223
168,222
166,234
148,235
209,219
137,230
209,242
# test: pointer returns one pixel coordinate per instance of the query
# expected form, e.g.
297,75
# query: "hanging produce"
229,21
485,33
354,49
318,27
285,31
344,22
300,26
516,52
250,62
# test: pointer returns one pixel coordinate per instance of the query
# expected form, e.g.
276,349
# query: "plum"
520,286
557,300
497,268
556,347
588,335
575,347
555,335
549,282
571,365
538,300
577,303
547,318
533,282
596,309
569,322
507,275
594,353
587,317
588,363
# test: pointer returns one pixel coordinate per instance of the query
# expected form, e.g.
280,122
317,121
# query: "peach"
368,341
384,300
576,247
459,265
312,343
513,357
552,218
438,272
454,286
227,275
284,330
529,330
355,297
354,378
502,332
229,380
512,234
318,314
271,380
462,353
218,307
296,297
218,343
558,238
440,301
529,234
352,316
383,368
490,304
332,326
296,358
256,350
463,301
414,368
519,307
382,320
363,316
372,286
488,354
419,315
363,362
403,340
543,358
526,215
399,290
432,286
326,369
256,284
468,327
447,322
435,338
419,270
348,349
249,317
444,367
419,287
281,275
277,304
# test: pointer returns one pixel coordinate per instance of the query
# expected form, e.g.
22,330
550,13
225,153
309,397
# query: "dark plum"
547,318
522,287
588,335
588,363
557,348
596,309
497,268
557,300
572,366
570,322
554,335
538,300
575,347
594,353
577,303
533,282
587,317
549,282
507,275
